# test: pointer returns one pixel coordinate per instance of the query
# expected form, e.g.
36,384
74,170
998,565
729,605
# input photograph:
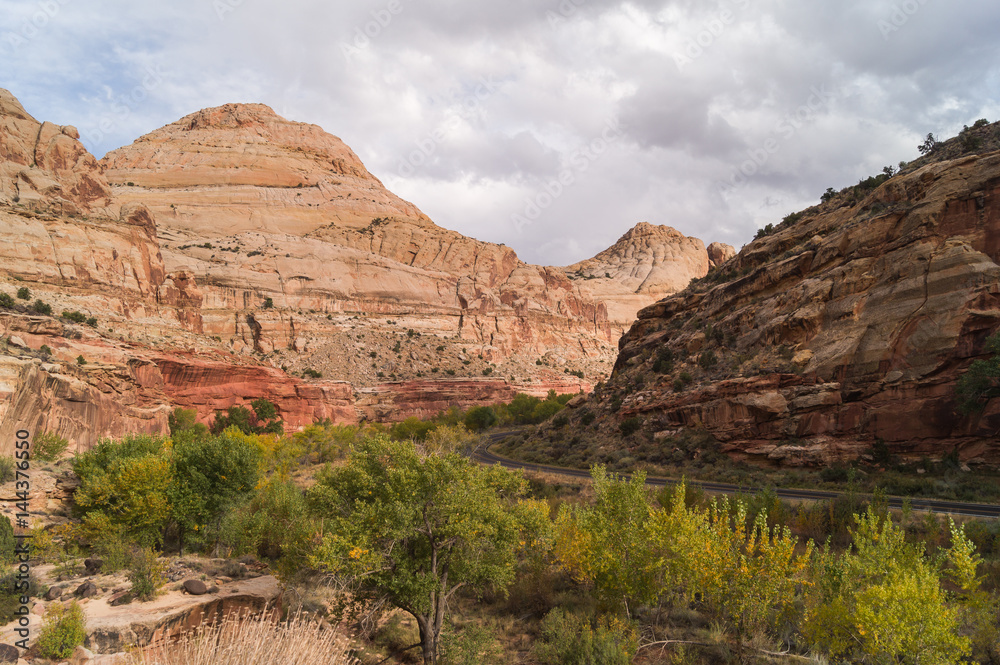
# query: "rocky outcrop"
847,325
719,253
233,242
241,167
113,628
393,402
208,387
44,166
291,214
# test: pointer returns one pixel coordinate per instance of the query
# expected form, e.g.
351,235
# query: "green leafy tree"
209,476
415,530
981,382
608,544
412,428
882,601
480,418
24,293
521,408
124,488
261,418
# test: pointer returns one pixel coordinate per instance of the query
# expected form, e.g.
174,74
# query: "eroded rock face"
293,215
861,318
234,242
45,166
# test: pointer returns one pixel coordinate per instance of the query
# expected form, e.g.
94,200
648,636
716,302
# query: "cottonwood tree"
415,529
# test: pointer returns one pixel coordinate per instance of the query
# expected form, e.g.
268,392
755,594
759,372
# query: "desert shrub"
6,301
240,639
63,630
707,360
45,349
474,645
312,374
145,572
75,317
24,293
268,303
587,418
48,446
560,421
630,426
7,540
6,468
10,594
41,307
92,322
80,360
567,639
115,551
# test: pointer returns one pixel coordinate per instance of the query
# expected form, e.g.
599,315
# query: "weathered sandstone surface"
848,325
227,252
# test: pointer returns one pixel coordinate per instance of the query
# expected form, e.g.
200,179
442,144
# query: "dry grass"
252,640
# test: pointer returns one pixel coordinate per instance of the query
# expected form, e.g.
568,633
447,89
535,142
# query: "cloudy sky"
550,125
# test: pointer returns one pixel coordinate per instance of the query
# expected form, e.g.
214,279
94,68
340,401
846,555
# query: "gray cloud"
517,95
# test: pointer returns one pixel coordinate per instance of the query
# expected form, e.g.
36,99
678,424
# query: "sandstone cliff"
850,323
258,210
220,255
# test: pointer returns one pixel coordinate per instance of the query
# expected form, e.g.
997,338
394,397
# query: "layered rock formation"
220,248
290,214
848,325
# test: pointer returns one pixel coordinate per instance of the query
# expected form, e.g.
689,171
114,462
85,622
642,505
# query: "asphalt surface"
483,455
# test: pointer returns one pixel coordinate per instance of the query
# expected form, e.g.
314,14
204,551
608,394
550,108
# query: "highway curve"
483,455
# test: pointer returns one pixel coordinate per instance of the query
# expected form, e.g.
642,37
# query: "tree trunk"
428,639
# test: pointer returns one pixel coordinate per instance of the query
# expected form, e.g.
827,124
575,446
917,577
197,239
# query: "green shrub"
630,426
450,372
47,446
268,303
311,373
80,360
64,629
24,293
145,572
75,317
92,322
42,308
475,645
6,301
707,360
44,348
10,594
567,639
412,428
7,540
115,551
6,468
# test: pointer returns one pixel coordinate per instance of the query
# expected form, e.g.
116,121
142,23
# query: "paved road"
484,456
